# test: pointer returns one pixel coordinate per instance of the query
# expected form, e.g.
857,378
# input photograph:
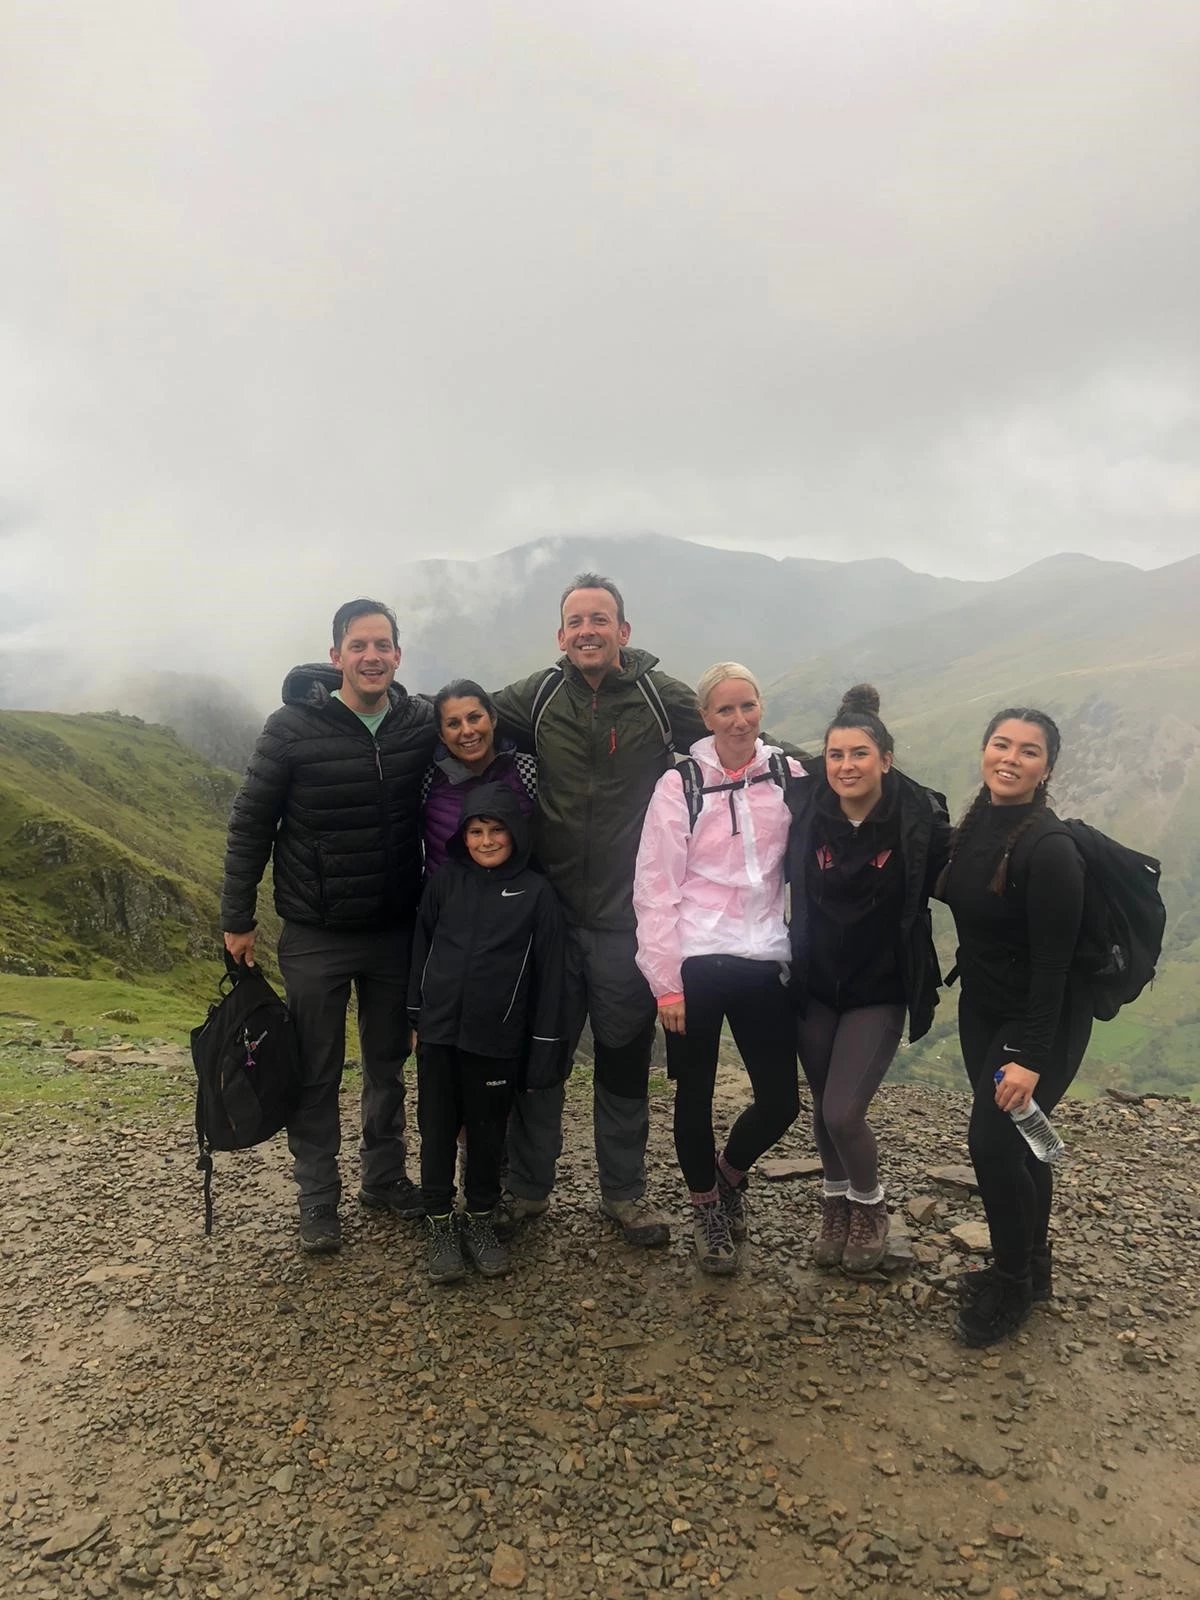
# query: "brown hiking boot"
866,1243
835,1225
637,1220
735,1206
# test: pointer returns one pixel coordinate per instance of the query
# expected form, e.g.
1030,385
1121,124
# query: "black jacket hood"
495,800
313,684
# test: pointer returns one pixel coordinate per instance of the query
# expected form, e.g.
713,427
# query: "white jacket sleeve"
658,886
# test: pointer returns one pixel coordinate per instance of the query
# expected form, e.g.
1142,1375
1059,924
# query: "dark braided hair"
983,799
860,709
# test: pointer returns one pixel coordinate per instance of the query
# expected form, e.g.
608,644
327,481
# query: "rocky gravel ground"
192,1417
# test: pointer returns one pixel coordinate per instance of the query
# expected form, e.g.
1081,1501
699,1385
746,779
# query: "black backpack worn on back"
247,1064
1121,934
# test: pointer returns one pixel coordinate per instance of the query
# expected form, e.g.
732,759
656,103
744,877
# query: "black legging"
1016,1188
763,1025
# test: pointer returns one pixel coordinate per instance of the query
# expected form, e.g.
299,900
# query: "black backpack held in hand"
247,1064
1120,937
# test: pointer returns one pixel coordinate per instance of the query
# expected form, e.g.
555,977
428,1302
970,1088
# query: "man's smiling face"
368,657
591,636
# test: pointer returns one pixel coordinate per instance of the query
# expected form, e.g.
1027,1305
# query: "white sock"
832,1188
872,1199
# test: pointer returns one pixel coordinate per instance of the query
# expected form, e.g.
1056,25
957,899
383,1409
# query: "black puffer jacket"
488,962
340,810
862,931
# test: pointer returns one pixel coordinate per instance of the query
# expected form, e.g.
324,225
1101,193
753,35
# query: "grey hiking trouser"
845,1056
318,966
605,986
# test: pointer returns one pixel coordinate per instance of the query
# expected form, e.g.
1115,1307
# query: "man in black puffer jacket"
333,793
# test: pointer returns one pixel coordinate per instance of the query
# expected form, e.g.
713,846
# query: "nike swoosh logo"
510,894
1013,1049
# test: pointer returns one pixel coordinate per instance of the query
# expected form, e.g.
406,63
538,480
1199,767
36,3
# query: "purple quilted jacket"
447,784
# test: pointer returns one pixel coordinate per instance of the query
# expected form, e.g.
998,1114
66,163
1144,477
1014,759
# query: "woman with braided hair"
866,845
1015,885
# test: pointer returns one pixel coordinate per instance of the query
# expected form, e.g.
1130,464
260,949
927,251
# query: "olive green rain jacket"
600,752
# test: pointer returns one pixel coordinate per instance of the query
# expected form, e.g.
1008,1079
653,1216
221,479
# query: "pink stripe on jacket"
713,891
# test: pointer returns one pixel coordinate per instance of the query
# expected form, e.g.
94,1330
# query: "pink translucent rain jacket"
715,891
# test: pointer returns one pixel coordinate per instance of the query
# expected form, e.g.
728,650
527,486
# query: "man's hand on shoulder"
241,947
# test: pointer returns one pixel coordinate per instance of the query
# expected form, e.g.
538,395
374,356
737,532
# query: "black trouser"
318,966
458,1090
750,995
1016,1188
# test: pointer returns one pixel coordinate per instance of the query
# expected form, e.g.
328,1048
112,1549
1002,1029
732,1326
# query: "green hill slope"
1116,661
111,839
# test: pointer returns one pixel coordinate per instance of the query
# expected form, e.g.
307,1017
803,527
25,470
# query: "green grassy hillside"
111,838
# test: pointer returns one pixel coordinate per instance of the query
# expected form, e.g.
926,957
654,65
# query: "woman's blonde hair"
717,674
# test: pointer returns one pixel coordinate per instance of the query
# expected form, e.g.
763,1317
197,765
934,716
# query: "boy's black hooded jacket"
860,924
488,965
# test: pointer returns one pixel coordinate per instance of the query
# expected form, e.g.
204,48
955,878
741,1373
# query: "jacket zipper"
587,858
520,975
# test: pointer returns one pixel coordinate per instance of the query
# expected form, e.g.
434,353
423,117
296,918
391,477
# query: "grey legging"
845,1057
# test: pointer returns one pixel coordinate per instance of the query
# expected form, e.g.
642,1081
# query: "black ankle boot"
970,1285
997,1311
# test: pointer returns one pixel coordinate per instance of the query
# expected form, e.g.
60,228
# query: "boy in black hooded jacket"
485,999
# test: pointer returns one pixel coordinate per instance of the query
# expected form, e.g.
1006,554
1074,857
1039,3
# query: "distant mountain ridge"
495,618
111,831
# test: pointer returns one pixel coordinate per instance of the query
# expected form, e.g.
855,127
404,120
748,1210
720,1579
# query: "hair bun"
862,697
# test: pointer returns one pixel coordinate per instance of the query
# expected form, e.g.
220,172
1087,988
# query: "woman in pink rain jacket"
713,946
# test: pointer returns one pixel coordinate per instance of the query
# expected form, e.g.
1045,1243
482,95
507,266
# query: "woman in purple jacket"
467,756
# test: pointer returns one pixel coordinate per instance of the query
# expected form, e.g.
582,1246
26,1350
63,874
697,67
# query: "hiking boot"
737,1208
320,1232
835,1226
997,1311
715,1249
444,1257
970,1285
481,1246
866,1242
637,1220
402,1198
514,1209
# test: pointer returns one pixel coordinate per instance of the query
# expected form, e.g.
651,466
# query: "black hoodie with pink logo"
860,925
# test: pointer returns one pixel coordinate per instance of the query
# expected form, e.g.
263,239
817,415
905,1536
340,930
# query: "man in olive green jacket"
605,725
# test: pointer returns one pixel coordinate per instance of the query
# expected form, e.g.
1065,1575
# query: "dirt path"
226,1418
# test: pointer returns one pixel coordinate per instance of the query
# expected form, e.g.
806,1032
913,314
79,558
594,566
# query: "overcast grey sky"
291,293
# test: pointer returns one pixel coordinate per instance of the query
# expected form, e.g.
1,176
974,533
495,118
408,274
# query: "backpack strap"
650,694
778,770
204,1165
546,690
693,788
647,688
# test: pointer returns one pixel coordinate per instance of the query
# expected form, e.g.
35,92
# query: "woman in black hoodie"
1015,884
866,847
485,1000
